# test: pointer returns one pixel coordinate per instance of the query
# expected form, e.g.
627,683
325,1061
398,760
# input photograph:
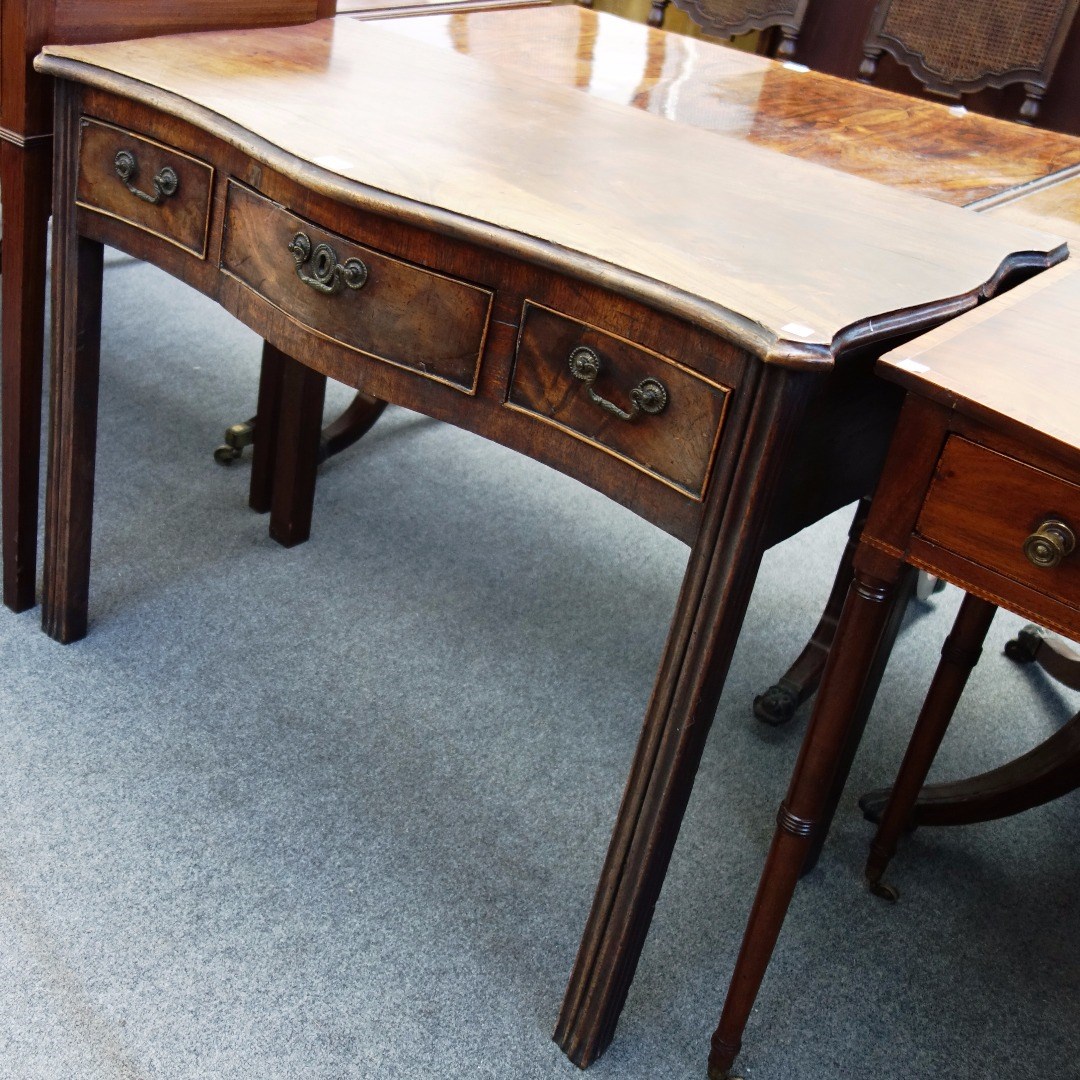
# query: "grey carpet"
338,811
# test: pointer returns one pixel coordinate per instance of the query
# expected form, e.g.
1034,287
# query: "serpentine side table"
981,488
479,248
904,142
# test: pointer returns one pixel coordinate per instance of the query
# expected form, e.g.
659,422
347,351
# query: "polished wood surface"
919,146
972,364
485,144
985,452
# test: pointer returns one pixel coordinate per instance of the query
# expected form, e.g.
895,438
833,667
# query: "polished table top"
1012,362
921,146
556,171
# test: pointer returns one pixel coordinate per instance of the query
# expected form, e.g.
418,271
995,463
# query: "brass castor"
236,438
777,705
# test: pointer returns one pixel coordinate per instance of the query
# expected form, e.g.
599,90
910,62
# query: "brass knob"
1049,544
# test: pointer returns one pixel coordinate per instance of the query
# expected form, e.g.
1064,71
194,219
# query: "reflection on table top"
921,146
1055,208
388,9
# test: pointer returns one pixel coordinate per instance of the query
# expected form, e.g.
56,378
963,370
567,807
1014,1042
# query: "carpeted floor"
338,811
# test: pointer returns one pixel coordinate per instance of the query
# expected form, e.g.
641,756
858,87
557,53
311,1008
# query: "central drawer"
395,311
637,404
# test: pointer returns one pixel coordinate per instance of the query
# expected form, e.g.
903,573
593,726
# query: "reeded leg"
778,704
864,618
25,184
297,451
959,655
712,603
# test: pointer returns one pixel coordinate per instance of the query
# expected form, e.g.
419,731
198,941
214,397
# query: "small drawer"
632,402
395,311
145,183
983,506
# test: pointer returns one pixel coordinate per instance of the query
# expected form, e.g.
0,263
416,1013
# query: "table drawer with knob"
398,312
1009,517
637,404
145,183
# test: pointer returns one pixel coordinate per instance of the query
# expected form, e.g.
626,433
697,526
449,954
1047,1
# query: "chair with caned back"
956,47
729,18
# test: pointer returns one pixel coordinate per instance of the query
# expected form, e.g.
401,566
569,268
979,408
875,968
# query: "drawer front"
983,506
145,183
392,310
635,403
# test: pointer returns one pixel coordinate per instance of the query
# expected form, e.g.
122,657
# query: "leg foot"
1023,648
777,705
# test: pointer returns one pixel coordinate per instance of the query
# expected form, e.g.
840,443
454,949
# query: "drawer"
983,505
636,404
145,183
395,311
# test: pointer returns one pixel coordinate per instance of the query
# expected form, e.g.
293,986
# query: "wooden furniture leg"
351,426
959,655
25,180
778,704
905,589
865,616
291,443
1033,644
73,399
1049,771
719,577
296,451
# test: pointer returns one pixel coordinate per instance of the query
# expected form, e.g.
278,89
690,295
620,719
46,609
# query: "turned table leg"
864,619
25,183
959,655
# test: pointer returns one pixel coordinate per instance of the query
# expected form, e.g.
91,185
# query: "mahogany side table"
981,488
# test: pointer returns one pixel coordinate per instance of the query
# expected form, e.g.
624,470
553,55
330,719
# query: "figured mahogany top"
922,146
1014,362
793,261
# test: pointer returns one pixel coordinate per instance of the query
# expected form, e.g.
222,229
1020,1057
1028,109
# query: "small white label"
795,329
912,365
958,110
792,66
333,162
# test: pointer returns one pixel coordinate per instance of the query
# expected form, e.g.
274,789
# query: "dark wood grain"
182,217
677,444
403,314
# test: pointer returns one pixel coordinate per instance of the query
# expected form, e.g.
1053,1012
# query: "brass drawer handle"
1049,544
649,396
127,168
327,274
